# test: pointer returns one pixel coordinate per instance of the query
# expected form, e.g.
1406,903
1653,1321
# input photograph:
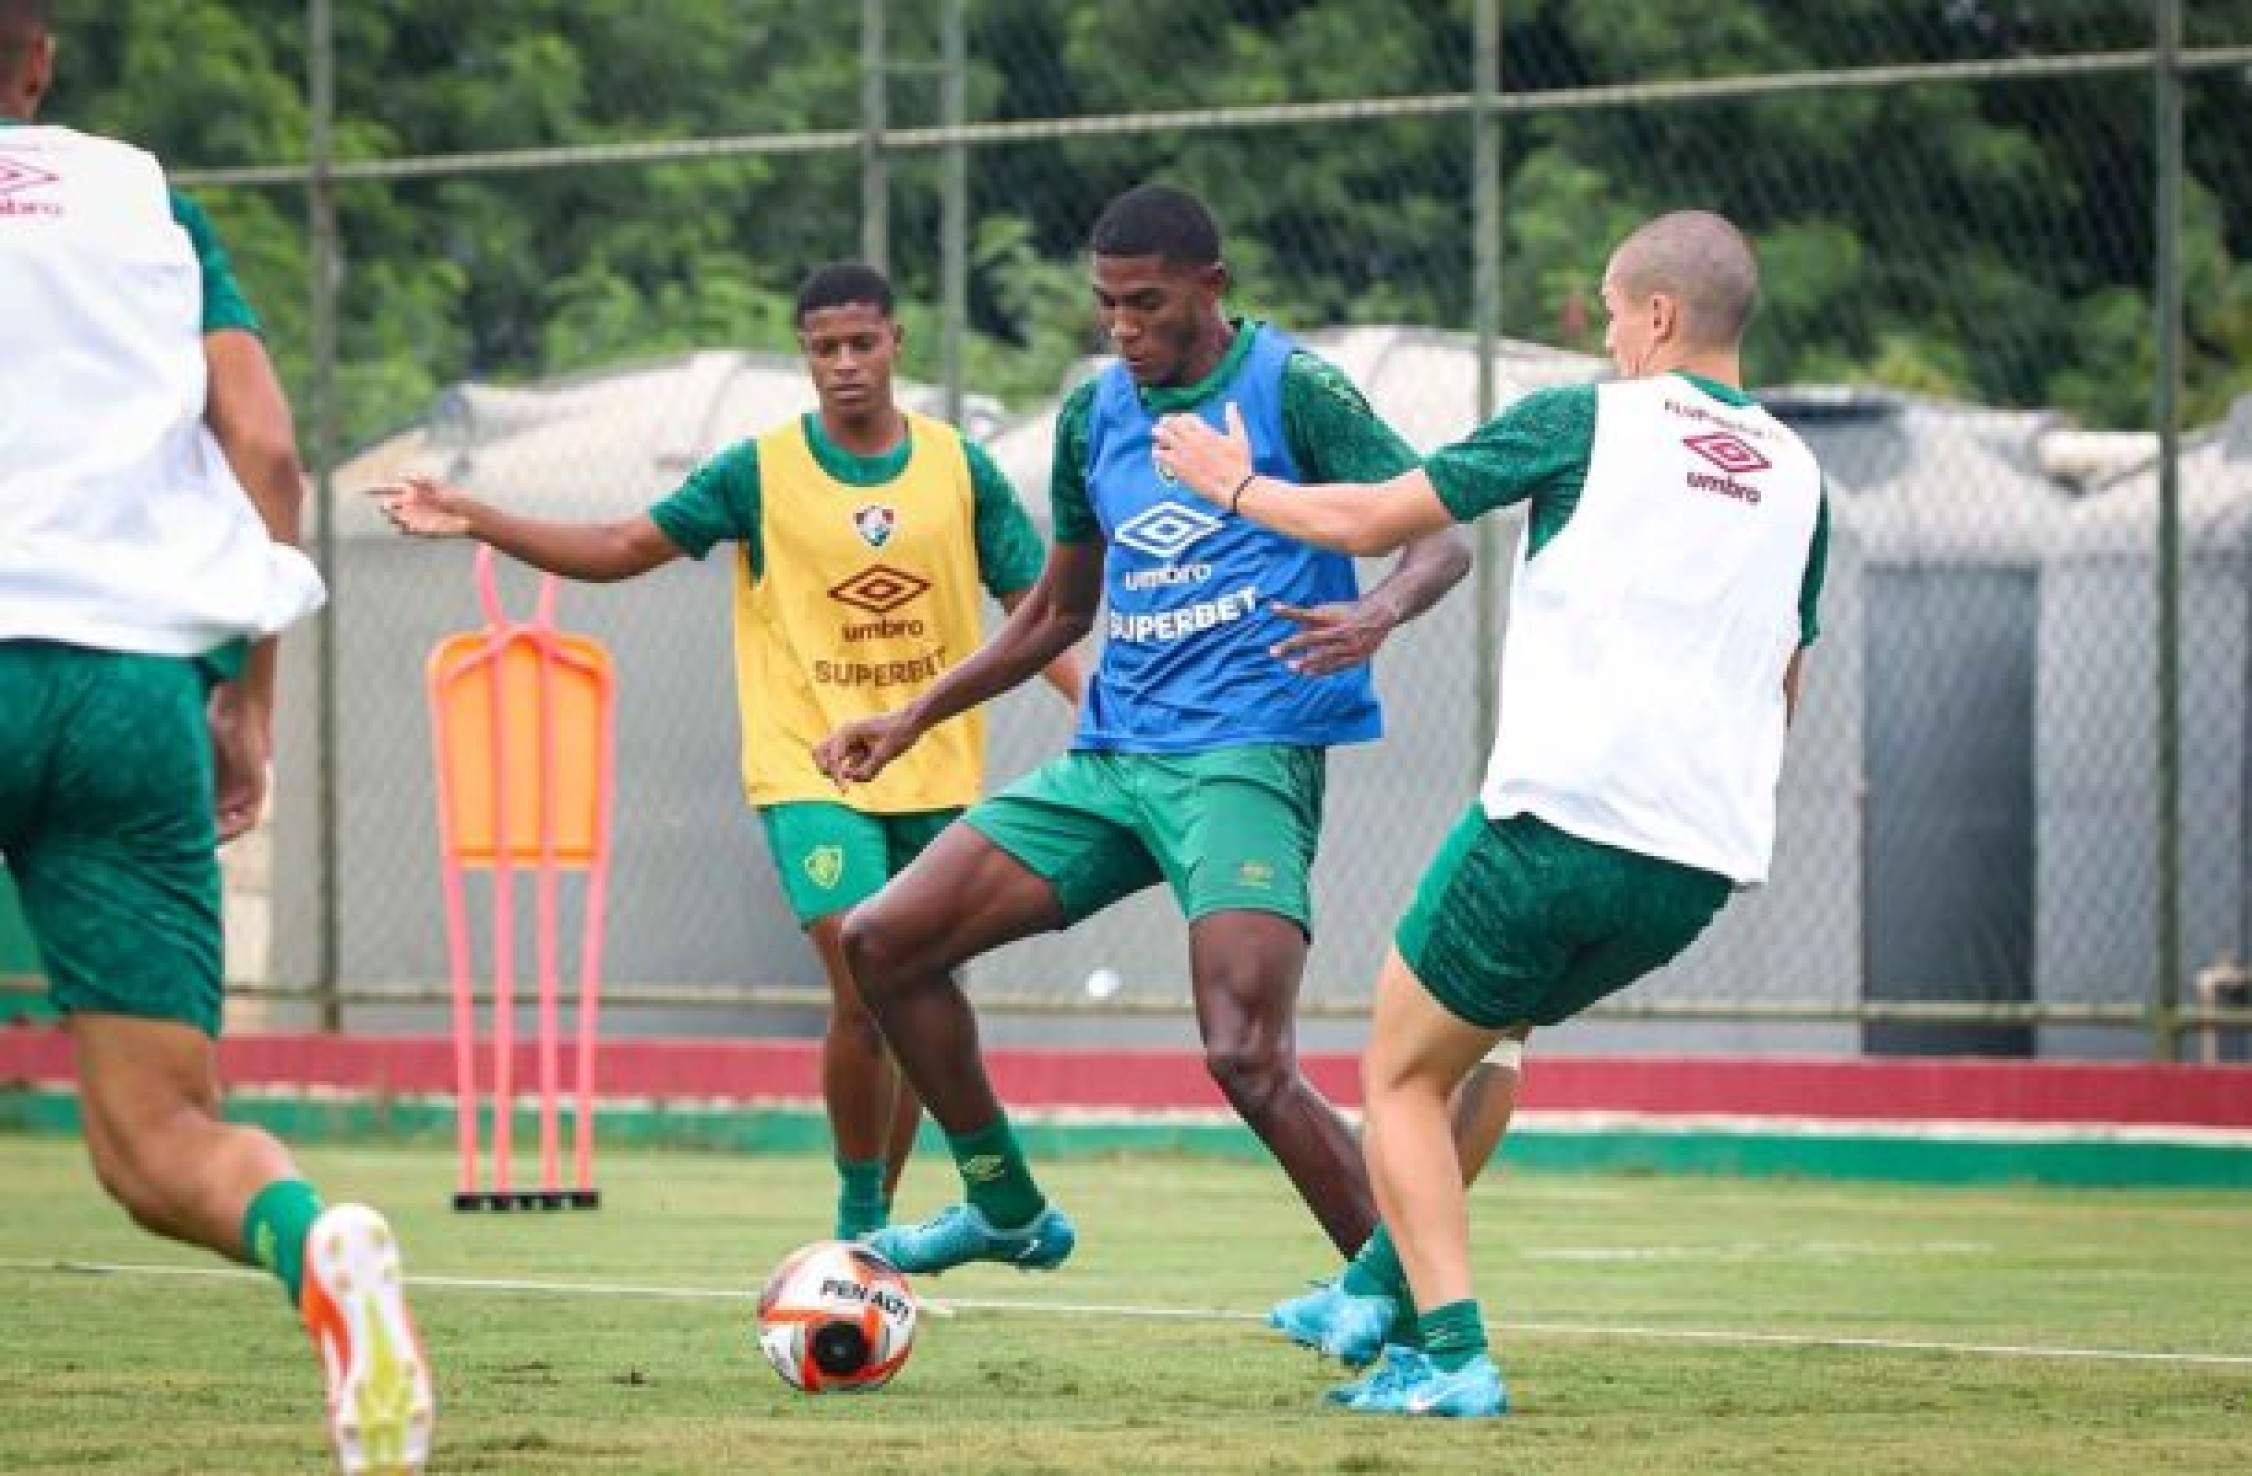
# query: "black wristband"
1235,498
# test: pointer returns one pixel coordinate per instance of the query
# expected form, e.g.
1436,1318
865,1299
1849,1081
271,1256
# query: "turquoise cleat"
961,1233
1332,1320
1400,1361
1409,1383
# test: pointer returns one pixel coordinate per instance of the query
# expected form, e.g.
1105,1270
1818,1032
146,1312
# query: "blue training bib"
1189,622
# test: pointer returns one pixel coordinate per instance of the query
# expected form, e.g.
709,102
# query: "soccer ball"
836,1318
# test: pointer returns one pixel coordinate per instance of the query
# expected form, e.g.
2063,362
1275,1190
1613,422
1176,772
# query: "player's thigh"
1485,935
829,857
1245,966
1416,1040
118,870
1237,829
1641,913
963,896
1069,823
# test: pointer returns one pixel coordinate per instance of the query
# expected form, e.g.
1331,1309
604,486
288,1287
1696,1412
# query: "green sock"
274,1230
1376,1271
995,1174
1454,1334
861,1206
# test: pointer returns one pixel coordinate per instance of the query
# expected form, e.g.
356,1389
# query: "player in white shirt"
141,584
1664,597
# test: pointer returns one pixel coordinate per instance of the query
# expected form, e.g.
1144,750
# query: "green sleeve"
1009,556
718,503
1334,435
1539,447
1068,502
224,306
1810,584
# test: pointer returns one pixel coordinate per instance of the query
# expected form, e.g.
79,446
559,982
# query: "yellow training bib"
868,596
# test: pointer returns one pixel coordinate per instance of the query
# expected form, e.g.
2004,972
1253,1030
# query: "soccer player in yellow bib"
149,489
862,535
1664,599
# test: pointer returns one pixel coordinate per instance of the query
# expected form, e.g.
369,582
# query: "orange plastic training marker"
521,720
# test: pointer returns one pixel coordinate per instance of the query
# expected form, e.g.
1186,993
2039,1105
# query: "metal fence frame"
1484,110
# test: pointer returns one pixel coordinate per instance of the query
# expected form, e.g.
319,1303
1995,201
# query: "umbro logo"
1728,451
1165,531
879,589
17,176
18,179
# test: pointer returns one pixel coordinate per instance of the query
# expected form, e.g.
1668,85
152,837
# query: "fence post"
954,217
320,204
875,182
2166,1000
1485,288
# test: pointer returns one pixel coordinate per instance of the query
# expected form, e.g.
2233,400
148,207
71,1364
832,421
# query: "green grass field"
1647,1325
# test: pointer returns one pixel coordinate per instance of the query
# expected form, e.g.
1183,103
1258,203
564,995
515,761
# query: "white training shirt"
1643,667
121,525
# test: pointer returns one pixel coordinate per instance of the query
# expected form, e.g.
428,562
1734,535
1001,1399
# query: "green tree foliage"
1990,239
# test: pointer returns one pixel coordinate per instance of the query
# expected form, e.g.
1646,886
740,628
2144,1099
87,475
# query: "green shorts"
1231,830
832,858
107,828
1517,921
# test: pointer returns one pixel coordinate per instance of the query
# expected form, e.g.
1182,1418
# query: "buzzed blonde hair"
1701,259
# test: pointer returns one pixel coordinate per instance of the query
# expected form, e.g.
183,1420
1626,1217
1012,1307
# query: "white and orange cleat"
380,1407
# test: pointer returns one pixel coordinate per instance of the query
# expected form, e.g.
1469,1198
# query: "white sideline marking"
949,1306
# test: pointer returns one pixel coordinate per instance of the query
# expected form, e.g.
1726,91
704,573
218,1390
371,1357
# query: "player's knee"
1252,1070
871,949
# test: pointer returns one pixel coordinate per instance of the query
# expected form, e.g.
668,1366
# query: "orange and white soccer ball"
836,1318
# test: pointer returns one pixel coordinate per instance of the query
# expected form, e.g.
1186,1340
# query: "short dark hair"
21,23
844,284
1158,220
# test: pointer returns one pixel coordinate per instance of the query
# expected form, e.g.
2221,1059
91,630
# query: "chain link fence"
557,245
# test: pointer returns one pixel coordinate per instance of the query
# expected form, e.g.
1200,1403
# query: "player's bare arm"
1067,673
598,553
1335,638
1350,517
249,417
1054,615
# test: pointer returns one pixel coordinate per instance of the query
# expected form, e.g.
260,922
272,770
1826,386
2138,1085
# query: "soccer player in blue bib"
1234,658
1664,599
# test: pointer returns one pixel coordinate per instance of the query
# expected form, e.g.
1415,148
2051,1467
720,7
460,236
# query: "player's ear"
1216,280
1665,316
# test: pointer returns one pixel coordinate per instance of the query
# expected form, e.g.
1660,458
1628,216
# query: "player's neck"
871,434
1204,356
1721,366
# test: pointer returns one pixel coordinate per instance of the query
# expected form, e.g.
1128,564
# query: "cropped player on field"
863,533
1664,598
1234,660
149,487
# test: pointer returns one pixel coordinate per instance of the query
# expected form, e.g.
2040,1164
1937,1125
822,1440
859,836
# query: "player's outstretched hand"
857,752
1210,464
1331,638
424,507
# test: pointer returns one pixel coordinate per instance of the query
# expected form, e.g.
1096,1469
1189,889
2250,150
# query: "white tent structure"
2099,723
1912,859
